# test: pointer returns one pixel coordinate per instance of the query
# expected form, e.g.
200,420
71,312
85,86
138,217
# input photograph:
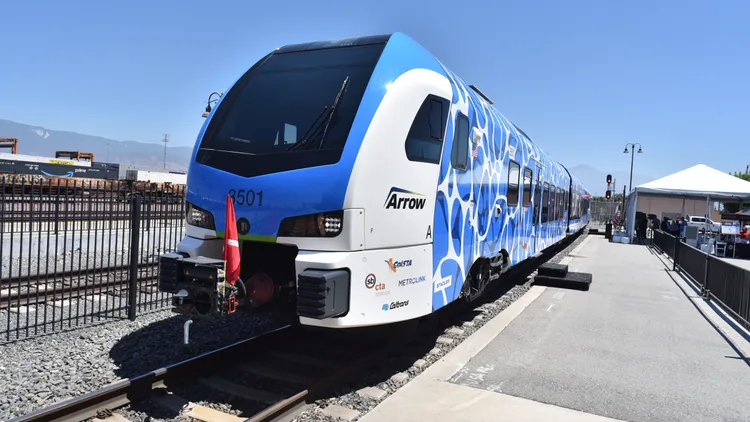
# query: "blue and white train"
371,185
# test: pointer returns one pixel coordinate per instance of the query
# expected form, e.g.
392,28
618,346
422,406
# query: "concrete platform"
634,347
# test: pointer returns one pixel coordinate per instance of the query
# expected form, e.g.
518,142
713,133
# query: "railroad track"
70,284
277,374
268,376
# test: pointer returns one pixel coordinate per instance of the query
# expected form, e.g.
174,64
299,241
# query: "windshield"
314,93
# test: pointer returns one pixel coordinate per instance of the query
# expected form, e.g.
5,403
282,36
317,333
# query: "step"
575,281
553,270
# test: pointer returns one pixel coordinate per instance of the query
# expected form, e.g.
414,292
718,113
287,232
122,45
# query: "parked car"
700,222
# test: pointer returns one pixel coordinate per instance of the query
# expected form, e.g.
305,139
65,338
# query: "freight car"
60,168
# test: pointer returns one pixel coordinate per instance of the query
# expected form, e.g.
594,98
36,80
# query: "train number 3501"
247,197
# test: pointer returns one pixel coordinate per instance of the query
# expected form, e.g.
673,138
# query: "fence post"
677,247
148,214
57,212
704,289
135,223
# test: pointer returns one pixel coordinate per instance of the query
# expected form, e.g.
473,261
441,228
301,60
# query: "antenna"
165,140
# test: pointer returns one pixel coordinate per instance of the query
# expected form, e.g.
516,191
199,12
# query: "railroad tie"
186,408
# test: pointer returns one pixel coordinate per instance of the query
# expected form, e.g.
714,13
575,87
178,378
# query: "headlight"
199,217
324,224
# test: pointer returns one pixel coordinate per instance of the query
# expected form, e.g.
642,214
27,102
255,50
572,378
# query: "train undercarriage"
268,285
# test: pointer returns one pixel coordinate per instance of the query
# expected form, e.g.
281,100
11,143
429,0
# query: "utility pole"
165,140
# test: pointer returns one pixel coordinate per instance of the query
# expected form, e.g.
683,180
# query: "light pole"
632,157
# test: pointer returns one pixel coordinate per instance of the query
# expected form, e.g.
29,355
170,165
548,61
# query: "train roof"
343,42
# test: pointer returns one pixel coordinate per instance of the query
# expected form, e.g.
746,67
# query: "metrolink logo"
402,199
395,265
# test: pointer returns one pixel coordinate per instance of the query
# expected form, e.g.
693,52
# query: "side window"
552,203
537,200
460,150
527,178
424,143
514,175
545,203
555,207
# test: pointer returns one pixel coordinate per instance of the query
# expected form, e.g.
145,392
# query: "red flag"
231,245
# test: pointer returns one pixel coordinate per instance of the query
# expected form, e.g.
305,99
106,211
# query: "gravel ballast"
38,372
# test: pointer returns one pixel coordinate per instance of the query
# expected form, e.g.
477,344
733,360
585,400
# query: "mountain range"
38,140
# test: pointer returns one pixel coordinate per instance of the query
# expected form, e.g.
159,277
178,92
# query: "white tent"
699,181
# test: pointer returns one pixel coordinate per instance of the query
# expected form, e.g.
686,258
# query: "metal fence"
80,252
602,212
719,280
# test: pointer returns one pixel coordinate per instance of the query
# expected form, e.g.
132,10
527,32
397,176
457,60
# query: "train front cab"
375,265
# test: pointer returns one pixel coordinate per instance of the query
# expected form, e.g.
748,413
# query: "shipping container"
156,176
43,160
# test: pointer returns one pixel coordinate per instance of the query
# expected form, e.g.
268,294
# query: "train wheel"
479,278
466,289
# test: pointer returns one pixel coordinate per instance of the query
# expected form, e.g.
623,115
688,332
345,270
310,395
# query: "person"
655,223
674,228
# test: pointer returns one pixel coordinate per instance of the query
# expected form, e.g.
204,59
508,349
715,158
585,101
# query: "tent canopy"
699,180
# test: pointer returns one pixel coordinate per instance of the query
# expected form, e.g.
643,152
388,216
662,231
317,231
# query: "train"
370,184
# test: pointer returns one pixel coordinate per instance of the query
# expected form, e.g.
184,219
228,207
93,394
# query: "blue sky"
582,78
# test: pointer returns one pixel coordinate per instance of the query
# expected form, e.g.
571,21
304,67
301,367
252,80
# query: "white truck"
703,223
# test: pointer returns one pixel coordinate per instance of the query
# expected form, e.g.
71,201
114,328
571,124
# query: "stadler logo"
401,199
395,305
395,265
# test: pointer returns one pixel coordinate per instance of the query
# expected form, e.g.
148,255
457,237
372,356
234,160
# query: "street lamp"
632,157
208,106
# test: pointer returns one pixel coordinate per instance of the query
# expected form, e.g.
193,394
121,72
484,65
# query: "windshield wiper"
315,126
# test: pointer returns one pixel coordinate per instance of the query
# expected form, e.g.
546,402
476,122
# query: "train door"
453,237
537,204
